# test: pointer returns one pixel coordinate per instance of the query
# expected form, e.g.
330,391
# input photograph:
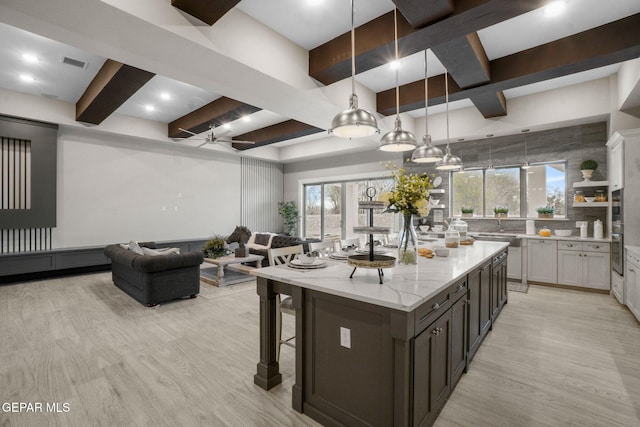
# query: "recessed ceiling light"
227,126
27,78
394,65
246,119
554,8
29,57
165,96
149,107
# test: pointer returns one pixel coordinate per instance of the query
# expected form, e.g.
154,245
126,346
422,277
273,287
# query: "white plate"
296,263
437,181
338,256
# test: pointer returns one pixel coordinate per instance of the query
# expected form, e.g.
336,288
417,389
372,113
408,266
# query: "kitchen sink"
512,239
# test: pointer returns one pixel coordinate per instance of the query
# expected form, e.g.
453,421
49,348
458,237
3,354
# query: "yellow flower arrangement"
411,193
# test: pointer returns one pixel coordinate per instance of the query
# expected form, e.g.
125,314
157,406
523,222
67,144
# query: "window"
546,186
520,191
331,209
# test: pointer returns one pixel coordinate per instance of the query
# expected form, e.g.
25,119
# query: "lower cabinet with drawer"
584,264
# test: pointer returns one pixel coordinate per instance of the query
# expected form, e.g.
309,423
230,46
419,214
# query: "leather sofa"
151,280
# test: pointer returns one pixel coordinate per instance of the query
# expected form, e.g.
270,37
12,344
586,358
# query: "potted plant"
216,247
546,211
466,212
290,216
501,211
587,167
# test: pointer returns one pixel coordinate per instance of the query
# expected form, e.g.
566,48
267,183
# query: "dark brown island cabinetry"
498,283
395,367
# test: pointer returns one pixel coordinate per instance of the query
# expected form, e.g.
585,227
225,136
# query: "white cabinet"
585,264
616,164
514,263
632,283
542,261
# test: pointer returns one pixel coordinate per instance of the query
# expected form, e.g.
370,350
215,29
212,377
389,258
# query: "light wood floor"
554,358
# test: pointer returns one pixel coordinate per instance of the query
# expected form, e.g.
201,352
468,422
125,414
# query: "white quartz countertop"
536,236
635,250
404,288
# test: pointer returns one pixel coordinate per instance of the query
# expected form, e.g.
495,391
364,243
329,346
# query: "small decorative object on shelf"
410,198
371,260
241,236
601,196
466,212
501,211
587,167
546,211
579,197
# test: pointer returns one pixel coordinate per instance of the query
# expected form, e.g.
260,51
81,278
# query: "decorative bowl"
442,251
590,199
307,258
563,233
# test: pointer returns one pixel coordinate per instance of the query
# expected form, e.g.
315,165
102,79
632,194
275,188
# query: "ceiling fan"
211,138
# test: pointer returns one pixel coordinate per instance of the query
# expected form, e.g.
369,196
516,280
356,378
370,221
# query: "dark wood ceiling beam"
215,113
331,62
490,104
465,59
605,45
208,11
422,12
110,88
276,133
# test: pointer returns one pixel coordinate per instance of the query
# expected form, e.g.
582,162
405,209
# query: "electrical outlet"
345,337
579,223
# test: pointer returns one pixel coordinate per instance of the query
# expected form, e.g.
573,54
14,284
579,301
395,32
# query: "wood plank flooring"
555,357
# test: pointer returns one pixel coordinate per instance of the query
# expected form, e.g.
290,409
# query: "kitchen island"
390,354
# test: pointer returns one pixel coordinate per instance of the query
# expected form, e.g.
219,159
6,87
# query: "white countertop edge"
635,250
426,293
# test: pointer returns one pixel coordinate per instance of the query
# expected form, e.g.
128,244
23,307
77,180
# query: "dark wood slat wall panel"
15,180
208,11
25,240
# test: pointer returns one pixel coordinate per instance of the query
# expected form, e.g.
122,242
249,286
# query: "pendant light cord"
426,97
446,98
395,33
353,53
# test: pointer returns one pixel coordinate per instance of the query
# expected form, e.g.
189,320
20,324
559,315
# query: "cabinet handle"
459,288
467,301
584,255
632,270
579,254
596,246
436,306
569,245
439,330
435,332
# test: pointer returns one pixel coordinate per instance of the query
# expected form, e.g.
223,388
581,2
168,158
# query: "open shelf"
590,204
586,184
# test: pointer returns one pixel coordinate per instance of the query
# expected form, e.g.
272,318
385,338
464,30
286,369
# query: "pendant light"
353,122
427,152
397,140
490,167
526,164
449,162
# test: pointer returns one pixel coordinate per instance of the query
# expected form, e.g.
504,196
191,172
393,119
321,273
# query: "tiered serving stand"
371,260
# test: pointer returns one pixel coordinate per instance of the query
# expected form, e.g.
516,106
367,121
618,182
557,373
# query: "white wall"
114,189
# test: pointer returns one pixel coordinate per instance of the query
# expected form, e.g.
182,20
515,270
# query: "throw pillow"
163,251
135,248
262,239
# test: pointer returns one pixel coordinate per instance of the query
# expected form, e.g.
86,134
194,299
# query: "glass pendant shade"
449,162
397,140
353,122
427,153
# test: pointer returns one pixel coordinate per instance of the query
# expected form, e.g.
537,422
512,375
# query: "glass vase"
408,242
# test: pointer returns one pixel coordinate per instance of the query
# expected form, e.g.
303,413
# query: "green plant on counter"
466,210
546,210
216,247
500,210
589,165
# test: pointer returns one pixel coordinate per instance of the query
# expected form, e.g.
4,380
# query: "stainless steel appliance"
617,232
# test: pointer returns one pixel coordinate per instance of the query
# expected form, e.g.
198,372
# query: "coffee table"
222,262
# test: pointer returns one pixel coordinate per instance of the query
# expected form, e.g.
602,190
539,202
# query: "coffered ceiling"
277,71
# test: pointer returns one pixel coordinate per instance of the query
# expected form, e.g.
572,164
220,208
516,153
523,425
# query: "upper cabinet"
616,162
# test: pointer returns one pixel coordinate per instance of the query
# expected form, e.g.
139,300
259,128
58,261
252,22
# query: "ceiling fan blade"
187,131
